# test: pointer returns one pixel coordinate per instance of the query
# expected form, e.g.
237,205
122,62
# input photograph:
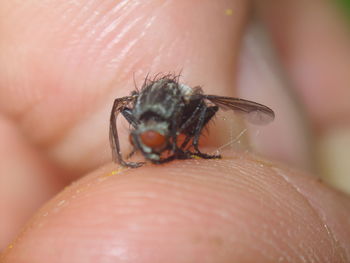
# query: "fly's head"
151,138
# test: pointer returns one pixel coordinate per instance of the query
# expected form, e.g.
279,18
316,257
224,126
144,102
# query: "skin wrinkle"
118,21
336,244
76,41
89,19
106,27
36,103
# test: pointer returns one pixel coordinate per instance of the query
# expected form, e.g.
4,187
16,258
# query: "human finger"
240,209
61,76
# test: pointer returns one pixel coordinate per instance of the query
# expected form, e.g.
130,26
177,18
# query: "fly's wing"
254,112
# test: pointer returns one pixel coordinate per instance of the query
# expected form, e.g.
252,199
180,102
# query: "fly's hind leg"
205,116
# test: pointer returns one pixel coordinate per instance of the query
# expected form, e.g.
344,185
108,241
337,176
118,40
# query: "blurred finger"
314,43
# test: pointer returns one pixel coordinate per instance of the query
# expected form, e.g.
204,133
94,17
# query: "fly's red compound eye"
153,139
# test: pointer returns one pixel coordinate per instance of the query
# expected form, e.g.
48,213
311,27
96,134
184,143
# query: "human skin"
61,65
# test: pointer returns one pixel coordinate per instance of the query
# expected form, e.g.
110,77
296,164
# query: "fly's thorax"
164,98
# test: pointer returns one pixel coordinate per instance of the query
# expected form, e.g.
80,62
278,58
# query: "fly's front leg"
179,155
131,154
127,114
174,138
186,141
119,106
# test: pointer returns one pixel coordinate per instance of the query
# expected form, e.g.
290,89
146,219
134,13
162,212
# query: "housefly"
163,110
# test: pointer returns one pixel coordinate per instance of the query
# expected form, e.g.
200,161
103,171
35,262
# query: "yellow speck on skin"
228,12
115,172
10,246
196,157
264,163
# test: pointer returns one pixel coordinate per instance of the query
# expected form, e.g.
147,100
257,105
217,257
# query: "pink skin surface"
61,65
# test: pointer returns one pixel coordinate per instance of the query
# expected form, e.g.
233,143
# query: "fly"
164,109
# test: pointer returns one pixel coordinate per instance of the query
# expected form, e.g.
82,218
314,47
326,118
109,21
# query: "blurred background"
299,55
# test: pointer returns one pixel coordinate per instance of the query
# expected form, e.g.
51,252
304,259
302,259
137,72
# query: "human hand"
63,63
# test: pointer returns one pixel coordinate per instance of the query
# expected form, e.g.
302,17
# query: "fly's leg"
174,138
130,154
205,115
186,141
202,155
180,155
165,160
192,119
120,106
127,114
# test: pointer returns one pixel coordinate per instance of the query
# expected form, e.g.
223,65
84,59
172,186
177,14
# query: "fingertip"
236,209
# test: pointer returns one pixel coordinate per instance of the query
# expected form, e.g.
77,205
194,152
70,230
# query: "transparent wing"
253,112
